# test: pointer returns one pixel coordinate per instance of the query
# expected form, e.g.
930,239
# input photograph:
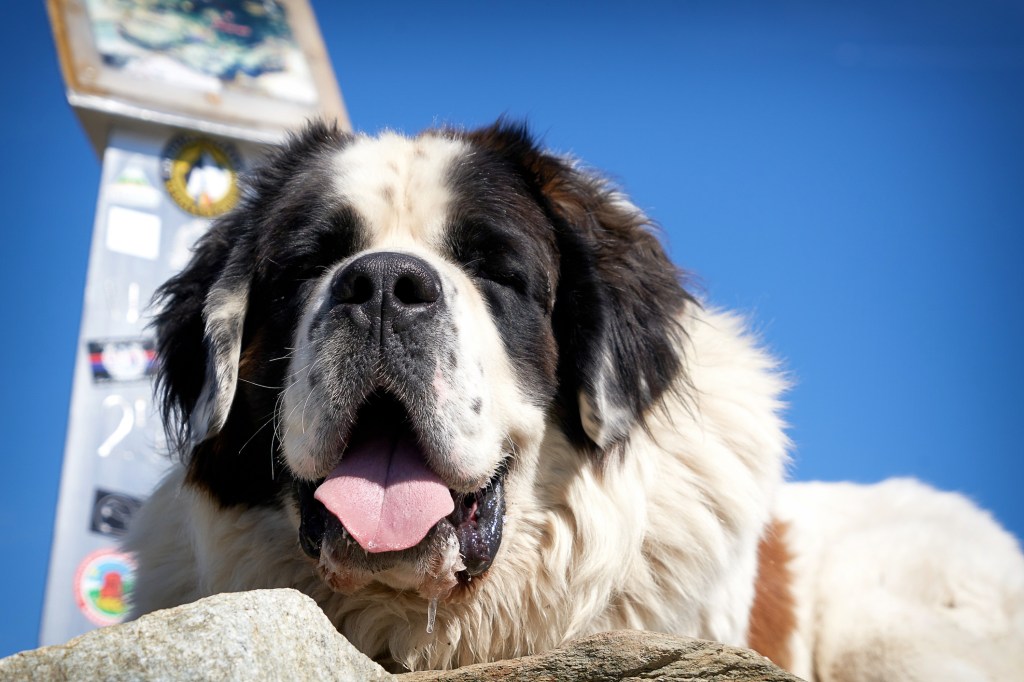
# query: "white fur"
604,421
224,315
897,581
398,186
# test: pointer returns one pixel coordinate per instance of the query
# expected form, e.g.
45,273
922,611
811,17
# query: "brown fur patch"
773,615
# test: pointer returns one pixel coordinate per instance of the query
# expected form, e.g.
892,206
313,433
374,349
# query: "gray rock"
259,635
283,635
620,656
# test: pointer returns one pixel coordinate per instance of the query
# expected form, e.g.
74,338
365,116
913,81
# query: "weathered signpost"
178,97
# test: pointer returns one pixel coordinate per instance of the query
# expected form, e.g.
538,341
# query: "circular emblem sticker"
200,175
103,583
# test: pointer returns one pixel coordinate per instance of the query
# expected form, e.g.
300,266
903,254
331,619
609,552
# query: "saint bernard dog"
451,387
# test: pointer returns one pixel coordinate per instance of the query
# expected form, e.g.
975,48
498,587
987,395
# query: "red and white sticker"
103,585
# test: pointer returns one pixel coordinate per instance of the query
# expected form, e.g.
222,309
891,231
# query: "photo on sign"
258,67
204,45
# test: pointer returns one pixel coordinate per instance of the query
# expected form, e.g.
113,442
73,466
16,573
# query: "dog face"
379,339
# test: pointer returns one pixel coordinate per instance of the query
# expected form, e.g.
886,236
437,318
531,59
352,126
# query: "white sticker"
133,232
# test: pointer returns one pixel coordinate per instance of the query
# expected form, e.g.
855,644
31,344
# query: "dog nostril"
412,290
359,290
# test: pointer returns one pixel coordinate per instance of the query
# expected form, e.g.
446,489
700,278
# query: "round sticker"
200,175
103,584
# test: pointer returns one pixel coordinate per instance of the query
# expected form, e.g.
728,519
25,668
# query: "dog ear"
618,307
199,334
619,298
202,310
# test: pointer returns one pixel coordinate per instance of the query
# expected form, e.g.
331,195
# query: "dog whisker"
286,356
256,433
253,383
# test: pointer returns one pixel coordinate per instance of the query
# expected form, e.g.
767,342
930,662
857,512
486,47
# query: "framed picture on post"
249,68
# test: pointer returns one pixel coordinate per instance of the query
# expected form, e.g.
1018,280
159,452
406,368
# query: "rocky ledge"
283,635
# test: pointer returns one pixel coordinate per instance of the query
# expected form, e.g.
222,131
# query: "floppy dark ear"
199,335
619,298
202,310
619,303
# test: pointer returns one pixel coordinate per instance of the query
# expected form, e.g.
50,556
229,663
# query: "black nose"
386,285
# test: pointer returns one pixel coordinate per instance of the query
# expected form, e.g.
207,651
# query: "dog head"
381,334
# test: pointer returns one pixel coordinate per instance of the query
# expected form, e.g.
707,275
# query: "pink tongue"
384,494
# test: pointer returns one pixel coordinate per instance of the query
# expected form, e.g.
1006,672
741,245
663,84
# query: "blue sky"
851,176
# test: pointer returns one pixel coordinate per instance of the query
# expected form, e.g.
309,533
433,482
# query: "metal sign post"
178,98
